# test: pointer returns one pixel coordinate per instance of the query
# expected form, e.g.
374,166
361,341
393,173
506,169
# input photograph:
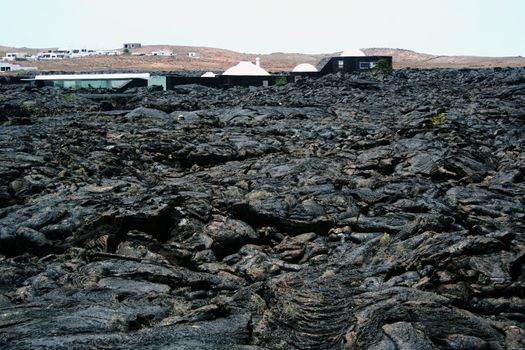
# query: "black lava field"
348,212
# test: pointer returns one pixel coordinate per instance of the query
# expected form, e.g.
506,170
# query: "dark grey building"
350,64
132,45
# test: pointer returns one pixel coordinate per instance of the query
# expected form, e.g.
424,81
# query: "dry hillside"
220,59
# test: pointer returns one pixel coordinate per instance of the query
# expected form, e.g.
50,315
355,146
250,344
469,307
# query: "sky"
440,27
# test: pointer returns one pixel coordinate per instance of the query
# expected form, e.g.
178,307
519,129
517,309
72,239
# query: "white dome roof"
352,53
208,75
245,68
304,67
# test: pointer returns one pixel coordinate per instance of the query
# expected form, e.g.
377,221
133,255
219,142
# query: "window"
364,65
340,64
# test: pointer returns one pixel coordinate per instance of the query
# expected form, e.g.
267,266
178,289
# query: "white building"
8,67
44,56
304,67
352,53
246,68
11,56
108,53
162,53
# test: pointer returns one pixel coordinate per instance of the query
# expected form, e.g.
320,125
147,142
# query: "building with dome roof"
353,53
246,68
304,67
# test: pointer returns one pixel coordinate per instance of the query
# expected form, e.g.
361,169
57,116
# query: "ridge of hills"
217,59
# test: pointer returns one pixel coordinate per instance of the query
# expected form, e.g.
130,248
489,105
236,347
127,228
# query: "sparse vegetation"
439,119
180,307
69,97
328,273
280,81
400,248
258,195
385,239
289,202
133,189
382,66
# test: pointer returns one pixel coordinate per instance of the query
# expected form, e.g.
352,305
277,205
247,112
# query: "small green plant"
289,202
340,201
439,119
258,195
126,52
328,274
133,189
290,309
282,345
180,308
117,321
400,248
69,97
382,66
385,239
280,81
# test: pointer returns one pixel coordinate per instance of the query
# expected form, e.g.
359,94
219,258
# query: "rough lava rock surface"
348,212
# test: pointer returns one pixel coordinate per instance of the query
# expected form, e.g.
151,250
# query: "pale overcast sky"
447,27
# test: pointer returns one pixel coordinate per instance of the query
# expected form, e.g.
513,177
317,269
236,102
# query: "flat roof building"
8,67
94,81
132,45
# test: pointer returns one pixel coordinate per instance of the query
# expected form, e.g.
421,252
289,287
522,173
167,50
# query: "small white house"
108,53
193,55
45,56
8,67
11,56
164,53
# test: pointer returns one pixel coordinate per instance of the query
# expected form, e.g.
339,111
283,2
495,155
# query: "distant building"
8,67
95,81
353,53
132,45
352,60
11,56
246,68
193,55
5,67
304,67
51,55
108,53
162,53
245,73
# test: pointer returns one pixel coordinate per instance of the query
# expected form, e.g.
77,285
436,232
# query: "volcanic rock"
347,212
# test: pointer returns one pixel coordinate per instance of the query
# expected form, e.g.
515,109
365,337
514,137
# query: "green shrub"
439,119
280,81
385,239
382,66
